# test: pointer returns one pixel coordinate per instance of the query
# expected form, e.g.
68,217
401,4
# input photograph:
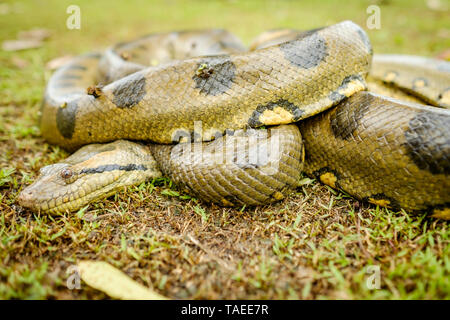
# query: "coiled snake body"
231,115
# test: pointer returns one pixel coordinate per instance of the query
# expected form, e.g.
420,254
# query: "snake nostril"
25,197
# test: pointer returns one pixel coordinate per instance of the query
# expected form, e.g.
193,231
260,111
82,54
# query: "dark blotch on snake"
76,67
289,106
220,76
306,52
307,33
66,76
63,84
428,142
112,167
346,119
65,119
365,39
335,96
229,132
94,55
129,91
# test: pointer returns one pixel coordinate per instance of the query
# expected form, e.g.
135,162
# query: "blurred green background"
419,27
415,27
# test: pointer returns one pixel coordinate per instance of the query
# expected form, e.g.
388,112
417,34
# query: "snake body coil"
385,151
275,85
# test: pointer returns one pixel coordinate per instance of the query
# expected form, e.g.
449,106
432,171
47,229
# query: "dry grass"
316,244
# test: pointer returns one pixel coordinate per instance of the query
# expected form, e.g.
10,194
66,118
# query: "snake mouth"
25,199
49,194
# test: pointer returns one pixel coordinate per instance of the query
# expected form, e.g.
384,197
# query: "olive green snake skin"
238,127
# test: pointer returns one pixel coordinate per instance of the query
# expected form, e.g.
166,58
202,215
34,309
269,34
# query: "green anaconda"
238,127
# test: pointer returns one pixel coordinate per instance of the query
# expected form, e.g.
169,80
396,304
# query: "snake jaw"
49,182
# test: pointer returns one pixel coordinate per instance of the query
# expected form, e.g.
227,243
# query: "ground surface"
315,244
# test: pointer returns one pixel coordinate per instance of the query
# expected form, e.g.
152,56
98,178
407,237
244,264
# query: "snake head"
94,172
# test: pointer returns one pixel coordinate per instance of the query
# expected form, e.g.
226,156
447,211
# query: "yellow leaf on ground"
104,277
16,45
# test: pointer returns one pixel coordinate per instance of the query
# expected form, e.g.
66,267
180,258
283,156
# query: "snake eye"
66,173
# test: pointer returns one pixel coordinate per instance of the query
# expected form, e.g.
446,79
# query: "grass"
317,244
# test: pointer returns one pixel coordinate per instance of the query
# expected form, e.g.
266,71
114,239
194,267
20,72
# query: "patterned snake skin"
204,86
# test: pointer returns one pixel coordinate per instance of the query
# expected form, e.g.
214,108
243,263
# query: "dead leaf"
16,45
104,277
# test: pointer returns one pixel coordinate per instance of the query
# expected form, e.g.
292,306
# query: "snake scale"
238,127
